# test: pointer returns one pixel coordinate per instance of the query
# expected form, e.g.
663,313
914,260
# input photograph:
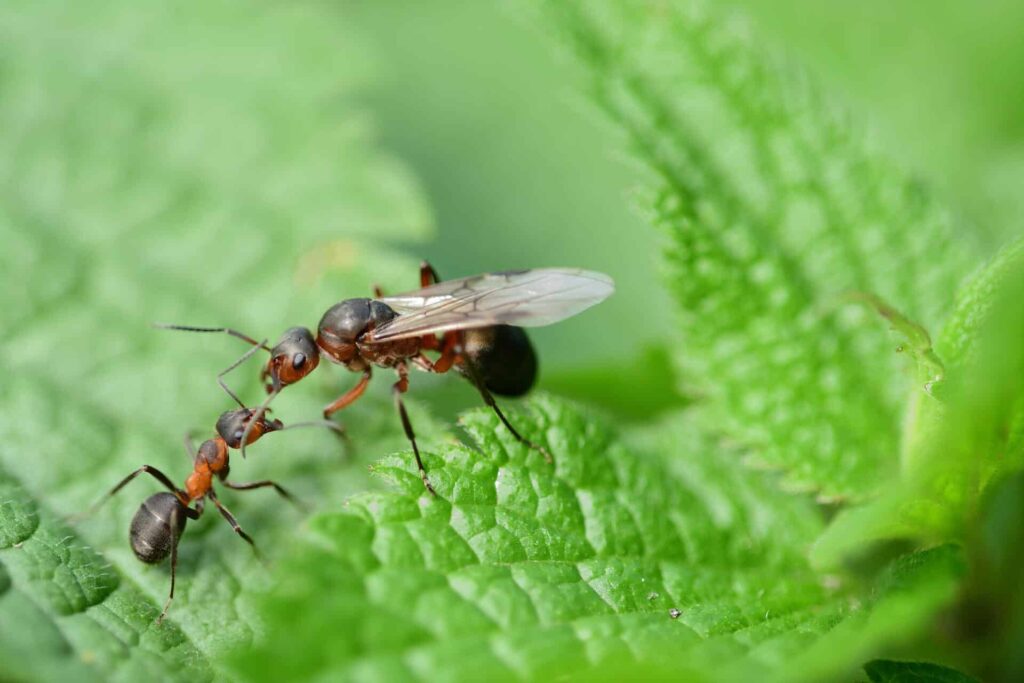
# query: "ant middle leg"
399,388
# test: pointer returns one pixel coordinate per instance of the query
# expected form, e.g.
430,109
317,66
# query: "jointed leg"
428,275
147,469
263,484
399,388
231,520
474,377
349,396
174,562
448,346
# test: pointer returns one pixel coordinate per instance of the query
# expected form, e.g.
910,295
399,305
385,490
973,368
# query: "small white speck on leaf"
674,613
652,596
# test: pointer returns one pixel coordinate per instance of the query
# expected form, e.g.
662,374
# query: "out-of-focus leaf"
776,207
888,671
968,434
196,162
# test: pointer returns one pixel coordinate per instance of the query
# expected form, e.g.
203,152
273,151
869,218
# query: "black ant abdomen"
152,536
504,358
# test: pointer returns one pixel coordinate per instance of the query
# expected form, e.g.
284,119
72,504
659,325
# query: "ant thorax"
342,335
212,455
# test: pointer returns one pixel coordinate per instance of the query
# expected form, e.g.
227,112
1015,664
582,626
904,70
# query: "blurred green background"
195,164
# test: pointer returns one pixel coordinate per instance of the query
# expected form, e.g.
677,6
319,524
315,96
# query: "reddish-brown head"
231,426
293,357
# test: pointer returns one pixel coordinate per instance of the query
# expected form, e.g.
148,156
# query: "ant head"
231,426
292,358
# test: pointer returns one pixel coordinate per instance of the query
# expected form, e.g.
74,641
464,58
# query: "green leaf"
888,671
197,162
775,208
525,570
967,436
59,597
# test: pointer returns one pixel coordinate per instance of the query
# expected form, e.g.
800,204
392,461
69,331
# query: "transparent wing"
525,298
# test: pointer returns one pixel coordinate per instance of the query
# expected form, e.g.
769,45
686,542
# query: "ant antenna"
259,413
256,346
245,356
227,330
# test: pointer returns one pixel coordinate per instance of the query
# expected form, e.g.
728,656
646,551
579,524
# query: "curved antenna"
259,413
244,357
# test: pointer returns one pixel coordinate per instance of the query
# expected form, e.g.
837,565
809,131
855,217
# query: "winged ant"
474,324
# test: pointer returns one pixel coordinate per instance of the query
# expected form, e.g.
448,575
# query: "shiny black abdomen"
150,533
504,358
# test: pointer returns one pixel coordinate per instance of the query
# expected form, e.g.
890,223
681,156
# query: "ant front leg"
399,388
349,396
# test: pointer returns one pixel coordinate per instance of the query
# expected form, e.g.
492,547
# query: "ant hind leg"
474,377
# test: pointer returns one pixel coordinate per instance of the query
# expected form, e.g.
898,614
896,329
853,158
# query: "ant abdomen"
151,535
504,357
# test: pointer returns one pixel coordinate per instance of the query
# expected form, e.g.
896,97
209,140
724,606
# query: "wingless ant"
474,324
160,521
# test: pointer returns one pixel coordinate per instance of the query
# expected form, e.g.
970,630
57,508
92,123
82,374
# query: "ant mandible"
474,324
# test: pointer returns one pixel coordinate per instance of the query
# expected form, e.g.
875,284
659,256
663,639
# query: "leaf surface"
776,210
659,557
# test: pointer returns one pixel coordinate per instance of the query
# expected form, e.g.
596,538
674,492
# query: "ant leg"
234,524
428,275
265,483
349,396
399,388
378,293
474,377
174,562
244,357
448,346
147,469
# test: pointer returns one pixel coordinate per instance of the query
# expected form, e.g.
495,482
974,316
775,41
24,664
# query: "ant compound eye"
298,361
